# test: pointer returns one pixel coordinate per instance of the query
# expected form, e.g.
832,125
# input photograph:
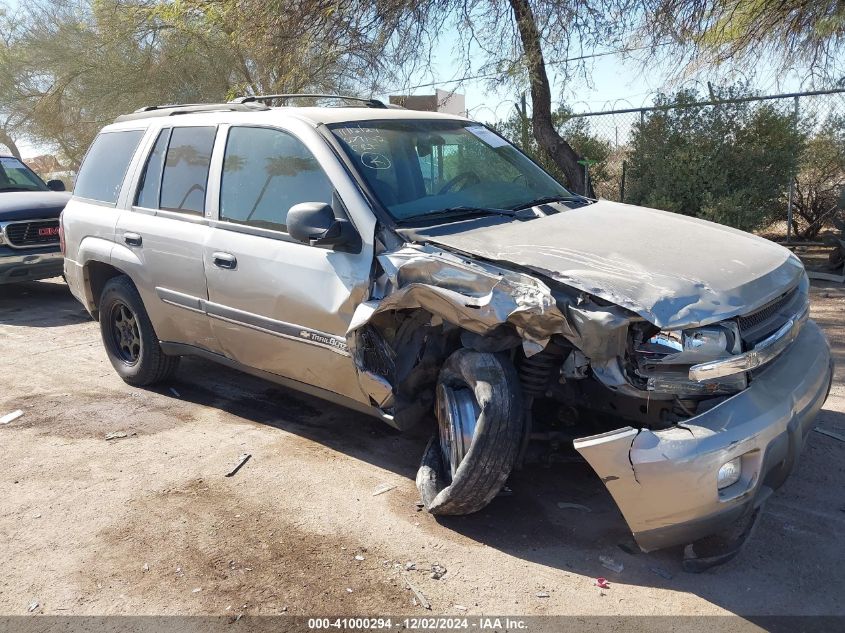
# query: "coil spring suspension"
534,372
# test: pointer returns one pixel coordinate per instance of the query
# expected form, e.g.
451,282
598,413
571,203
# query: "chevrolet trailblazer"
420,268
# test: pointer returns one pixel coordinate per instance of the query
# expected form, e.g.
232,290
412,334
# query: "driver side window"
265,173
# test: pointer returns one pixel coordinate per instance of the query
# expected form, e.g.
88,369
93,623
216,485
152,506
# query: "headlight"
712,340
662,360
729,473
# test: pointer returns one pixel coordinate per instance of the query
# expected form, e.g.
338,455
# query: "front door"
276,304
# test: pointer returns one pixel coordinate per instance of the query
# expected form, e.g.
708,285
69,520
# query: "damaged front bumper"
664,482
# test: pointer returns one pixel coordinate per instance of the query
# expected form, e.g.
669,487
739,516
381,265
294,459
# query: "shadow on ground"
40,304
530,524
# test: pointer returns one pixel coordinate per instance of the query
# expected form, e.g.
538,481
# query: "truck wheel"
130,341
480,419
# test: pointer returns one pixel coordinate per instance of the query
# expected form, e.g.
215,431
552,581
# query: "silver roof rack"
189,108
369,103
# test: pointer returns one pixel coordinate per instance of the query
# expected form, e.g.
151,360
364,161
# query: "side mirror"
55,185
314,223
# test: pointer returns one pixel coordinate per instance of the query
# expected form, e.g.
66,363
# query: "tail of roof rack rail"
370,103
189,108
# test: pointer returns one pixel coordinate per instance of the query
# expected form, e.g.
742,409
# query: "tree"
820,182
513,39
68,67
576,132
71,66
10,122
730,163
798,33
548,138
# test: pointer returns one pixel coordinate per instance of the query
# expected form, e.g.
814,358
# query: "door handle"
133,239
225,260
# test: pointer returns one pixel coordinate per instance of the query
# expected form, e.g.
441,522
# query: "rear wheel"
479,415
128,336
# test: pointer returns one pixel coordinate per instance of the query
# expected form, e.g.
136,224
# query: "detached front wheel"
480,425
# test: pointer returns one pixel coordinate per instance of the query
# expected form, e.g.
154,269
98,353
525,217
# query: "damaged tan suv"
418,267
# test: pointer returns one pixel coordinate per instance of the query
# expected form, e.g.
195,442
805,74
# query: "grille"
758,325
35,233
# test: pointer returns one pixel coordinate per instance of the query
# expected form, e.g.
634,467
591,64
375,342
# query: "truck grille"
35,233
756,326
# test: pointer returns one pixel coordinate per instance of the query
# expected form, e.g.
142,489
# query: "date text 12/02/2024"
419,623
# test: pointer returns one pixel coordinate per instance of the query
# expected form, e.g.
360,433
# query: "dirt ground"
150,524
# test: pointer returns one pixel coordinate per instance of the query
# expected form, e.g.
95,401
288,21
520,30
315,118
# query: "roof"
314,115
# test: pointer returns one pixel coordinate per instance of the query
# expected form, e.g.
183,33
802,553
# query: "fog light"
729,473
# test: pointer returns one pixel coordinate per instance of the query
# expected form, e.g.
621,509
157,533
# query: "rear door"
165,232
277,304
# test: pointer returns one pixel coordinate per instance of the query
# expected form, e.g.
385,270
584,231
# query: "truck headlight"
715,340
729,473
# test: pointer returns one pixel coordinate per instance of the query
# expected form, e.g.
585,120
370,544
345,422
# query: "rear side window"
150,184
265,173
186,169
105,165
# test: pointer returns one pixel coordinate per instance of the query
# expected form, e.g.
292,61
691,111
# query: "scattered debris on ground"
381,489
565,505
241,461
10,417
656,569
437,571
602,583
543,594
33,606
118,435
608,563
421,599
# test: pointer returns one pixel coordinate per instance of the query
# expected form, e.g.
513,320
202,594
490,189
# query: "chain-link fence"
753,162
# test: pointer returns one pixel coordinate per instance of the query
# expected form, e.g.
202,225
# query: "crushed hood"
671,269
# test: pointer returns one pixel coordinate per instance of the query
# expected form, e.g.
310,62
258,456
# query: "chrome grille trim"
24,233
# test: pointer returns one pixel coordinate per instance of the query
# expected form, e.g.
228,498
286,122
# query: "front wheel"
480,421
128,336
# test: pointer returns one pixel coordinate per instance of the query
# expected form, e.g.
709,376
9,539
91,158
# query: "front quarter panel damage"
664,481
478,304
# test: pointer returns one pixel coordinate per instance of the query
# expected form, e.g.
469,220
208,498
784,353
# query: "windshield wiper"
452,212
548,200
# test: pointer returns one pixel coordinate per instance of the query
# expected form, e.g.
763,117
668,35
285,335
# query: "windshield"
424,167
15,176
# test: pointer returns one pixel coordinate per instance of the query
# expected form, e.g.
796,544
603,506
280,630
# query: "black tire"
494,448
140,362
